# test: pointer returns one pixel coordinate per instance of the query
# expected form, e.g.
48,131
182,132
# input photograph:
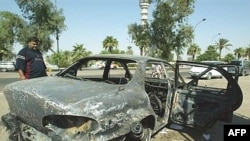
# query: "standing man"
29,62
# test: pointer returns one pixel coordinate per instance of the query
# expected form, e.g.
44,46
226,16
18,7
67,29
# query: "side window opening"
113,71
91,69
117,73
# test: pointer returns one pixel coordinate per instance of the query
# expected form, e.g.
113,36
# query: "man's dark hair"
33,38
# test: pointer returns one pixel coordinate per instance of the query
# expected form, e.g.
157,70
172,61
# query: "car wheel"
209,76
139,133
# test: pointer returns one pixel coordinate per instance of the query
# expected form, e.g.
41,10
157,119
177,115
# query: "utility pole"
57,39
214,37
196,26
194,34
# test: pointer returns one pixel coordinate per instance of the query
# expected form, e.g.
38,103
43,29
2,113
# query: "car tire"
139,133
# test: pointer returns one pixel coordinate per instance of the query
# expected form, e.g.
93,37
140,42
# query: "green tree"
169,26
140,36
65,58
210,54
44,20
239,52
68,57
11,26
104,52
222,44
194,50
115,51
247,52
55,57
79,52
109,43
183,38
167,32
4,51
228,57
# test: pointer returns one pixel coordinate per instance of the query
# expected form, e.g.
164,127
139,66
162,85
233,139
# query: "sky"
89,22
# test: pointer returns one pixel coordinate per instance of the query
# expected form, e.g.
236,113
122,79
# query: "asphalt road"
241,115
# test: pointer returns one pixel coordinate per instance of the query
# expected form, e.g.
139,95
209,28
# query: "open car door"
198,102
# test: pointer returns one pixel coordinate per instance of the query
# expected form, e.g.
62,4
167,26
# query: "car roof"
123,56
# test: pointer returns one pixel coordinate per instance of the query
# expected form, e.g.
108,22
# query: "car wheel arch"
149,122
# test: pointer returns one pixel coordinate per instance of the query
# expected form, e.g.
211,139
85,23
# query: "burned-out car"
130,103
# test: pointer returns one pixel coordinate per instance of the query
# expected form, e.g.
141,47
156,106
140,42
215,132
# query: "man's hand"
22,78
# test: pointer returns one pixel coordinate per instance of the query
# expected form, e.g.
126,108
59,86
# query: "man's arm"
21,74
20,63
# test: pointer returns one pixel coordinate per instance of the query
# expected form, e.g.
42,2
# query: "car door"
198,105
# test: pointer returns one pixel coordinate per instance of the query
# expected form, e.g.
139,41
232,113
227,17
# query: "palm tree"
79,52
247,52
222,44
67,55
141,37
110,43
194,50
229,57
239,52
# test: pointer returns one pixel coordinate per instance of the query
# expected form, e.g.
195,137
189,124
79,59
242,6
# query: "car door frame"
202,107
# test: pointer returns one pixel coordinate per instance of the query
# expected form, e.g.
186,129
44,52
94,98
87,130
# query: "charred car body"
128,103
